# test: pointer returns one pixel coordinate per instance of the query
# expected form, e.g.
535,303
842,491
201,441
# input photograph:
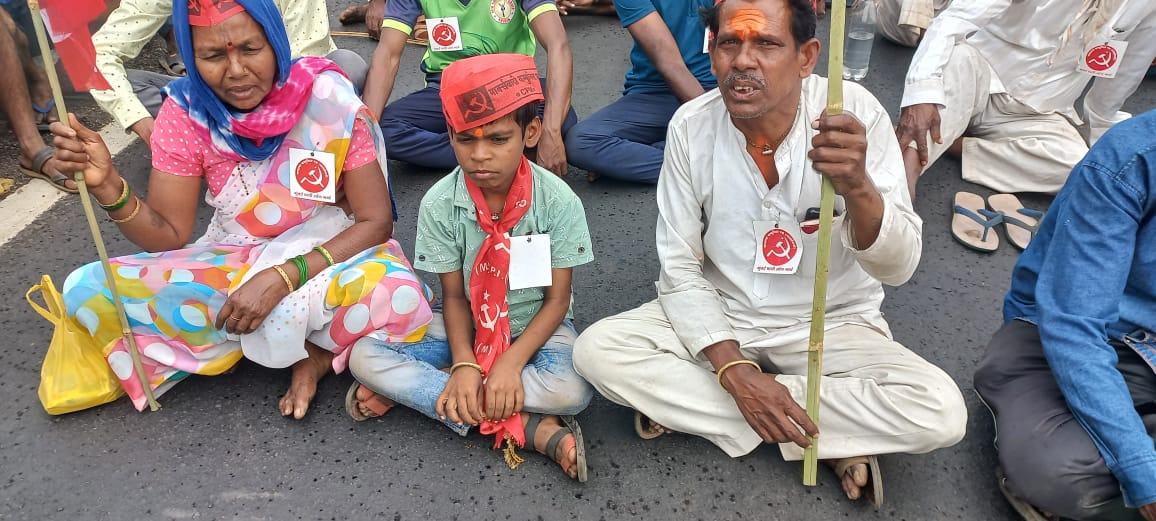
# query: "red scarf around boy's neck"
488,288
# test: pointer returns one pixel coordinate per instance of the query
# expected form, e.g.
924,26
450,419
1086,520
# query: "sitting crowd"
722,111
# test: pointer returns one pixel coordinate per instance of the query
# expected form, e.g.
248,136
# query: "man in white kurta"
1006,75
724,201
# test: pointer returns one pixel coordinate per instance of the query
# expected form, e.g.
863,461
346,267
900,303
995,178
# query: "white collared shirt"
1024,43
710,193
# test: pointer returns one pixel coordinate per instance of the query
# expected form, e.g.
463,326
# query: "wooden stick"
86,202
823,255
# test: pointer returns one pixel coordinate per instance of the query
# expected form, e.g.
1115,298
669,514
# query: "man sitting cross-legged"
737,203
669,66
503,235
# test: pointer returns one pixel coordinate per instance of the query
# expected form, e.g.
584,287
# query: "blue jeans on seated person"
410,373
415,129
625,140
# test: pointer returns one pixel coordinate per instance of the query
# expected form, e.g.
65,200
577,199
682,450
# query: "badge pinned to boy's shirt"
1102,59
530,261
444,34
778,250
313,175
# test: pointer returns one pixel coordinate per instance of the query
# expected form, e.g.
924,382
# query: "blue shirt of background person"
1089,275
681,16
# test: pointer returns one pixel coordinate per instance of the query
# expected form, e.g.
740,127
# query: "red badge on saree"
312,175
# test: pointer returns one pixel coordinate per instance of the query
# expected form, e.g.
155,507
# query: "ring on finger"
234,318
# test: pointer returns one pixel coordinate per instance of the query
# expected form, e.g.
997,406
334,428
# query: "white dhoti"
877,397
1009,147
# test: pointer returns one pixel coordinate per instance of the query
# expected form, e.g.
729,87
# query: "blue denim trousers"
410,373
626,139
415,129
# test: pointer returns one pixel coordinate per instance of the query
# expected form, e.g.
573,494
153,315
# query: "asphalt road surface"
219,450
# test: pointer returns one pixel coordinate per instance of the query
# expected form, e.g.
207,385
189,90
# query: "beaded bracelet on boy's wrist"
120,201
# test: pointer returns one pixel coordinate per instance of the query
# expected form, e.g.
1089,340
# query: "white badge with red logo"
312,175
530,261
444,34
1103,59
778,249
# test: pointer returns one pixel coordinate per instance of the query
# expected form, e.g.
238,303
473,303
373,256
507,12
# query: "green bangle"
302,270
125,194
324,253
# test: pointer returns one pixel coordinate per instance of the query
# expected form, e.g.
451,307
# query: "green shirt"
448,235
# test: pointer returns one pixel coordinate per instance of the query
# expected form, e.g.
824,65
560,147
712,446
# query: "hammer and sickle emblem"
782,250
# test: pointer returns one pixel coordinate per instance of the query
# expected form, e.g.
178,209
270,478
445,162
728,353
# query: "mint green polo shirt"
448,235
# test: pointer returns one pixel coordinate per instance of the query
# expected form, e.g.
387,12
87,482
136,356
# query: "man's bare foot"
592,176
854,477
49,172
306,374
566,453
354,15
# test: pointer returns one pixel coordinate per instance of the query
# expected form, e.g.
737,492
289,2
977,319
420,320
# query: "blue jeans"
415,129
625,140
409,373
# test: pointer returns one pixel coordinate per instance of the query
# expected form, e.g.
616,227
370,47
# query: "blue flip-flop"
972,223
43,112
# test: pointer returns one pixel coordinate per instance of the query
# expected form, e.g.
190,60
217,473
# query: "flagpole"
86,202
823,256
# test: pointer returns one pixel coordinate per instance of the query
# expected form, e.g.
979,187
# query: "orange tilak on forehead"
747,23
478,132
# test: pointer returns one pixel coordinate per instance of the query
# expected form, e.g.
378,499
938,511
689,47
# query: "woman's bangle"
324,253
459,365
302,270
132,215
120,201
733,363
285,277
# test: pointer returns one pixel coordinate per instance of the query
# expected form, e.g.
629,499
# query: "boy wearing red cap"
503,234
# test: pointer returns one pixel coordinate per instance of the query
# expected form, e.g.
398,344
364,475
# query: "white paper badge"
312,175
530,261
444,34
778,250
1103,59
706,41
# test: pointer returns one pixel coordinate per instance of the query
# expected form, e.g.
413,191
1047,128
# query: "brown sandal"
569,426
355,399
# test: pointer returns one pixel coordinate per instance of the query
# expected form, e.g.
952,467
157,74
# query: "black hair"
525,114
803,19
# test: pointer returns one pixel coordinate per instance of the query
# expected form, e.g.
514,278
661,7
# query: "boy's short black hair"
526,113
803,19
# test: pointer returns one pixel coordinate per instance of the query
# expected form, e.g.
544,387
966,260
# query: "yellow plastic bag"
75,375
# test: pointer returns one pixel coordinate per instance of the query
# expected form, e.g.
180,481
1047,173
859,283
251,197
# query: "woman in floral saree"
297,262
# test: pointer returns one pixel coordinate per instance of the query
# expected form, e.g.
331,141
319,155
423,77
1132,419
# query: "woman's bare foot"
302,387
566,454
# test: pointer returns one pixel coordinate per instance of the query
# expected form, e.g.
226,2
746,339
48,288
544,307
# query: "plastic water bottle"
860,38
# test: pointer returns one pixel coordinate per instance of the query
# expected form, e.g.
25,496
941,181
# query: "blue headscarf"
203,105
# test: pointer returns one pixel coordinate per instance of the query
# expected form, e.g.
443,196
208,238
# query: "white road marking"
27,204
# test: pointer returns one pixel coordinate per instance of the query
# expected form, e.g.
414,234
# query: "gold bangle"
285,277
458,365
325,253
132,215
120,201
728,365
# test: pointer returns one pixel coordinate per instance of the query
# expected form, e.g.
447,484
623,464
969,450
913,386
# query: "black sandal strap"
531,428
552,445
40,157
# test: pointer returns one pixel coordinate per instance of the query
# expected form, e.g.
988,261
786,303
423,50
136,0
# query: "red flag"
67,24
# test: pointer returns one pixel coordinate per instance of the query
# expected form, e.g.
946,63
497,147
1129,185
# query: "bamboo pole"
823,256
86,202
